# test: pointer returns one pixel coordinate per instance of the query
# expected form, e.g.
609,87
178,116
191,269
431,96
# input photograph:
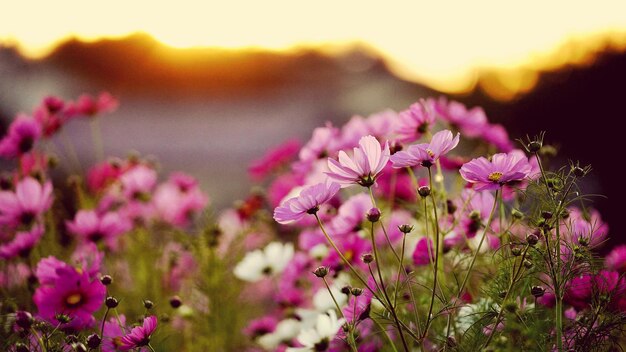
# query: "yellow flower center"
495,176
73,299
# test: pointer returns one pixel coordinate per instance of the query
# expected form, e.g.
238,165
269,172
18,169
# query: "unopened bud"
546,214
20,347
176,302
534,146
148,304
24,319
111,302
356,291
406,228
93,341
532,239
528,264
578,171
367,258
321,271
373,215
517,215
537,291
346,290
79,347
106,280
516,251
63,318
423,191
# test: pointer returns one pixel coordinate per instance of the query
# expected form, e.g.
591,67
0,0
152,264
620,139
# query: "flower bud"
502,294
63,318
451,206
578,171
537,291
516,251
24,319
475,215
93,341
583,241
406,228
106,280
517,215
148,304
532,239
546,214
534,146
528,264
510,307
346,290
395,147
176,302
356,291
111,302
373,215
367,258
321,271
79,347
423,191
451,342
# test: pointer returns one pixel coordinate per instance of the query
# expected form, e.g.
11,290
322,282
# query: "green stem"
395,294
482,239
436,266
351,341
96,136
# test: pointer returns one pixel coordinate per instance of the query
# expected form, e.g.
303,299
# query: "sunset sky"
440,43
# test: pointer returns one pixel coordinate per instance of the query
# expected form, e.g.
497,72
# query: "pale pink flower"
27,204
492,174
368,160
308,202
426,154
21,137
415,121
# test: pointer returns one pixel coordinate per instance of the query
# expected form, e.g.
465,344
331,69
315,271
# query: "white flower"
325,330
285,331
323,301
261,263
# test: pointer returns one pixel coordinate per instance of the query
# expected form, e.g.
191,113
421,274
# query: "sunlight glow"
444,44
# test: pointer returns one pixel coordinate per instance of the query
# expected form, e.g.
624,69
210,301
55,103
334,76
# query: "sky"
441,43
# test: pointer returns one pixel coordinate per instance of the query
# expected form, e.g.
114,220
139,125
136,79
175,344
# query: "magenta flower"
91,226
273,160
351,214
616,259
138,182
307,202
27,204
324,142
89,106
424,247
22,135
112,334
177,200
139,336
426,154
364,166
70,292
470,122
50,115
22,243
415,121
503,169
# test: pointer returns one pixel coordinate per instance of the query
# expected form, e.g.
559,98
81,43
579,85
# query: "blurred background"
206,88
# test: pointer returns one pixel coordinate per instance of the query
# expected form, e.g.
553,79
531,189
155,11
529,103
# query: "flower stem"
436,264
482,239
351,341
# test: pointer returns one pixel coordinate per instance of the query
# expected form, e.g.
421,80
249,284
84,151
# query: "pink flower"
70,292
112,334
177,200
616,260
103,174
50,115
324,142
420,255
23,133
307,202
426,154
140,335
364,166
89,106
470,122
27,204
503,169
351,214
138,182
585,226
273,159
91,226
22,243
497,135
177,265
415,121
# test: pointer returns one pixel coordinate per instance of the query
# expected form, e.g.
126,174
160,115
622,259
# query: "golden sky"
440,43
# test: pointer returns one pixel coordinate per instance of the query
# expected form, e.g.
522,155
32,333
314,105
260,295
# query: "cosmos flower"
139,336
258,264
415,121
91,226
22,243
368,160
319,337
27,204
22,135
470,122
307,202
70,292
492,174
426,154
89,106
